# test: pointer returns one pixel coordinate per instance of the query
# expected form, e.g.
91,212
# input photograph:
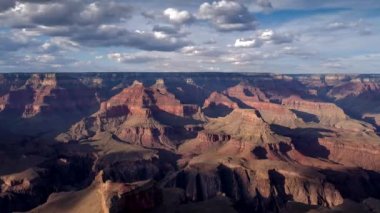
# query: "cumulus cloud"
360,26
337,26
45,58
227,15
45,33
99,23
58,45
275,37
43,62
245,58
165,31
159,41
241,42
192,50
178,16
111,35
74,12
151,15
132,58
254,56
15,40
264,37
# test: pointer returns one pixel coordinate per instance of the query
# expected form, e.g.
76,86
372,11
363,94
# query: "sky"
279,36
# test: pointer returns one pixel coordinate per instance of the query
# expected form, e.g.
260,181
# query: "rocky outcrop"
44,93
359,98
246,94
192,140
276,114
166,101
261,190
353,88
242,124
131,116
218,99
107,197
326,113
353,153
30,188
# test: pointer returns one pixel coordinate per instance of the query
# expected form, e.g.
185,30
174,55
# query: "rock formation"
116,142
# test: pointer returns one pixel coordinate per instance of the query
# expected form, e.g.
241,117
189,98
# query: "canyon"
189,142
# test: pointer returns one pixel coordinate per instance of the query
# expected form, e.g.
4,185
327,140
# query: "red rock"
219,99
130,115
246,93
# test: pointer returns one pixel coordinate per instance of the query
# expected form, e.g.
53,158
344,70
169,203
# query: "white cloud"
244,58
241,42
227,15
200,51
267,36
43,29
133,58
272,36
178,17
191,50
45,58
59,44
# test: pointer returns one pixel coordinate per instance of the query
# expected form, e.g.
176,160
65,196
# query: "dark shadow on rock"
240,103
129,167
305,140
276,88
124,167
248,93
167,159
306,117
180,134
374,123
260,152
192,183
278,193
195,88
230,183
63,172
215,111
142,199
284,148
186,93
355,184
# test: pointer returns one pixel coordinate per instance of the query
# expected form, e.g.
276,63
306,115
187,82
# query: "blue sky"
281,36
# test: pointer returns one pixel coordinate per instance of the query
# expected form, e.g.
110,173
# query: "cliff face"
355,87
158,142
326,113
353,153
44,93
27,189
262,190
246,94
106,196
131,115
360,98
